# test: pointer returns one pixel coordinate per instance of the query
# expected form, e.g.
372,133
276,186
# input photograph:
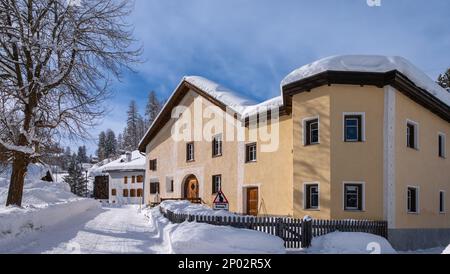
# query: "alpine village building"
359,137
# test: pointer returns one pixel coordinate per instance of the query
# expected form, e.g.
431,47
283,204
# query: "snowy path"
107,230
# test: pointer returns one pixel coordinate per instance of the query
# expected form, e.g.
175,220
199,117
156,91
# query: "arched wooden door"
191,187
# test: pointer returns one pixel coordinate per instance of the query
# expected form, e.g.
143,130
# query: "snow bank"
447,250
369,63
200,238
186,207
205,238
43,204
350,243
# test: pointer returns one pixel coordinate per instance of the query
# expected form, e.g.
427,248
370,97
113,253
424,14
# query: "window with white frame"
353,196
413,199
169,185
216,183
412,134
311,196
441,201
354,127
217,145
250,152
311,131
190,152
441,145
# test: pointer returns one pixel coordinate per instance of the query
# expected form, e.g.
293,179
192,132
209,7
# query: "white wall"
116,181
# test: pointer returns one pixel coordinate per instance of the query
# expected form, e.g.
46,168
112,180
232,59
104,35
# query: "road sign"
220,202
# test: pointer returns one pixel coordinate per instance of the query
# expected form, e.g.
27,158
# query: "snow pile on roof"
34,172
230,98
369,63
137,162
350,243
201,238
186,207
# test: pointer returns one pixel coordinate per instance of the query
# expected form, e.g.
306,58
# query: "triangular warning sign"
220,198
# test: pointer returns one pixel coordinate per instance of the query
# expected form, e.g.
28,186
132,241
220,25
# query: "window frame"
132,193
217,140
113,192
442,151
416,188
125,180
247,152
361,116
306,187
214,190
188,159
125,193
153,164
306,124
442,209
361,200
139,179
170,184
157,188
416,134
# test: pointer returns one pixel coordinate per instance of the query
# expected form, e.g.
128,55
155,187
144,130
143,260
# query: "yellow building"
350,137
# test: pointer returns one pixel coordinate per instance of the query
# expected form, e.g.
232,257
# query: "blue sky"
250,45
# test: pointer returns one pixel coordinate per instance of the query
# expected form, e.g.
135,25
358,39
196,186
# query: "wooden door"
252,201
191,188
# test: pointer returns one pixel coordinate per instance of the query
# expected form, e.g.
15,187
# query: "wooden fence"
296,233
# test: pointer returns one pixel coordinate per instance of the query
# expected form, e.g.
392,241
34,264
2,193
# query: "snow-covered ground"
187,207
348,243
44,204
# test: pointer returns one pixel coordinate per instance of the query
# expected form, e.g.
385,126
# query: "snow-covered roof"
137,162
230,98
369,63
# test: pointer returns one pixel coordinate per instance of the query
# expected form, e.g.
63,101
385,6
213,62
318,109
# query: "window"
441,144
125,193
353,196
154,188
441,201
139,192
113,192
216,183
133,179
413,199
153,165
140,179
190,152
169,184
412,135
311,196
125,180
132,192
217,146
353,128
311,132
250,152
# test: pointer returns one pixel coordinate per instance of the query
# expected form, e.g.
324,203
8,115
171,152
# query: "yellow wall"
422,167
272,172
333,161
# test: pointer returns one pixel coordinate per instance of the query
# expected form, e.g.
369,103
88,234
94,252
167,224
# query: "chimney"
128,156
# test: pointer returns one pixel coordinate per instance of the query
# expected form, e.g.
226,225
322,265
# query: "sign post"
220,202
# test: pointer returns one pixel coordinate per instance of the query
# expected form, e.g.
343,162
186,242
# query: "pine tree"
110,144
444,80
66,158
82,155
76,178
132,138
101,146
152,109
120,143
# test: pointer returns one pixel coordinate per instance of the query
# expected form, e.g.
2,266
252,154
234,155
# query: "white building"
121,181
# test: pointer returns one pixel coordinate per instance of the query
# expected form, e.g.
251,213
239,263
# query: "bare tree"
56,61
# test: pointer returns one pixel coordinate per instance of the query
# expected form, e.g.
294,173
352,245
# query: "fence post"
306,232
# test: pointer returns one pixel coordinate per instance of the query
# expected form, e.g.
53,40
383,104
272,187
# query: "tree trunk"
19,168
